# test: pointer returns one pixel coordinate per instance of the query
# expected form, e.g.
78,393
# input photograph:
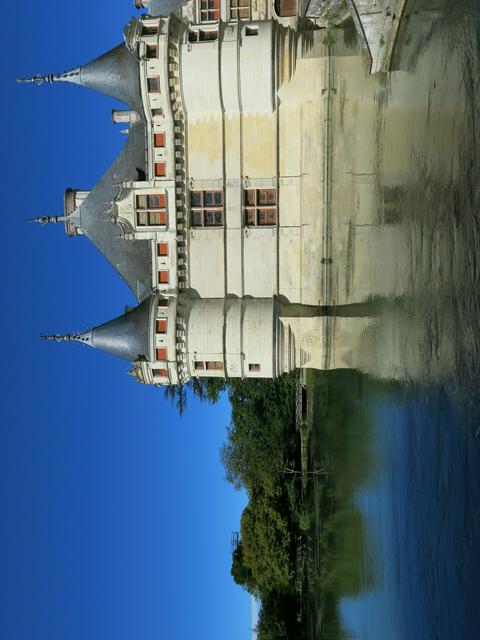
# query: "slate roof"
129,336
117,74
131,258
163,7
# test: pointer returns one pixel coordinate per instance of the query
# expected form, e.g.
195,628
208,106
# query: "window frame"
159,135
159,276
151,49
202,35
149,210
153,84
254,208
235,11
200,212
208,365
161,326
160,169
149,29
209,14
159,373
161,354
163,250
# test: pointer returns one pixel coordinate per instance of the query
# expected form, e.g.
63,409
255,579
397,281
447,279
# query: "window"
207,208
163,277
151,210
151,201
285,8
160,373
157,113
260,207
152,51
161,325
254,367
161,354
159,169
201,35
153,85
240,9
163,302
251,31
214,365
209,365
159,140
151,218
162,249
208,10
149,29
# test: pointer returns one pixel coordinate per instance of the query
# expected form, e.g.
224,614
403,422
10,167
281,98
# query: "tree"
205,389
241,574
267,544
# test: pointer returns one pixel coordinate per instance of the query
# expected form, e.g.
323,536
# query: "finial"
51,78
67,337
47,219
38,79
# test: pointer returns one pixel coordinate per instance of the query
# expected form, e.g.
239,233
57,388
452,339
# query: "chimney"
124,116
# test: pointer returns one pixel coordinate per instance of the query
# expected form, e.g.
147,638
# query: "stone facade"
224,225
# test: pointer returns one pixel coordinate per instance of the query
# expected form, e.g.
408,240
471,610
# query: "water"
421,501
421,516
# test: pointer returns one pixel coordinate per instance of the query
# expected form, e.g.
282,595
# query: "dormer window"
151,210
149,29
209,10
240,9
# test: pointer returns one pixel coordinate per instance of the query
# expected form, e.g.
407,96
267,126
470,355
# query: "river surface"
421,505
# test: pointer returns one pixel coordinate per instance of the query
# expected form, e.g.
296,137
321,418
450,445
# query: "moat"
409,419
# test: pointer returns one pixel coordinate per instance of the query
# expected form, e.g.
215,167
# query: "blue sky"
116,520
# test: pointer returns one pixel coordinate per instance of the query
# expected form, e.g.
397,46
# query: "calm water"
421,506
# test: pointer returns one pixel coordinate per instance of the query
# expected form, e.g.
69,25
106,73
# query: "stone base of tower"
322,342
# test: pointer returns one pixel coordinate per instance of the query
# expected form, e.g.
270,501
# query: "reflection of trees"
302,545
341,440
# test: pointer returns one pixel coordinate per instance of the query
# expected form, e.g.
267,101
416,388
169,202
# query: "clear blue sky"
115,520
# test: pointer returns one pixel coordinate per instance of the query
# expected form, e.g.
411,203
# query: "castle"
216,212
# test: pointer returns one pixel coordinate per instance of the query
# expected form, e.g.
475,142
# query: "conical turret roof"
128,337
115,73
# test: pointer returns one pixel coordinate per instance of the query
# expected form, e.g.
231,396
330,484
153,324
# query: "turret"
115,73
130,336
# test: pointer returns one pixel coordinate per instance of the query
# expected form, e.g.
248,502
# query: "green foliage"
277,618
262,434
329,40
205,389
241,574
267,544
